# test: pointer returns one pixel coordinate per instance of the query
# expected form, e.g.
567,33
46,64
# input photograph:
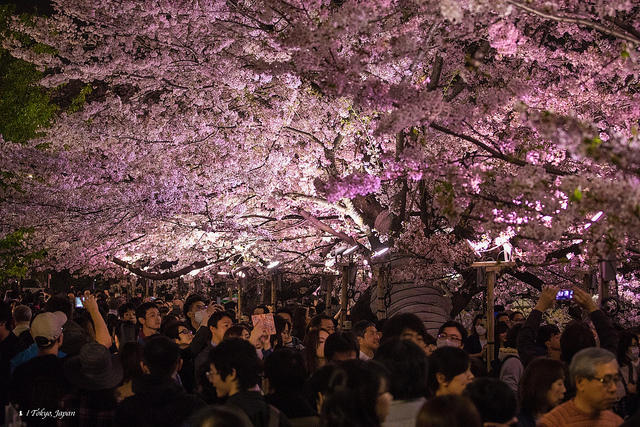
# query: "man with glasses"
451,334
234,370
594,371
181,335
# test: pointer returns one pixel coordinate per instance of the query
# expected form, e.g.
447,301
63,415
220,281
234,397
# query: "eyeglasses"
607,380
186,331
450,338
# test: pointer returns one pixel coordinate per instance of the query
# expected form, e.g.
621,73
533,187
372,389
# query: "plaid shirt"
81,410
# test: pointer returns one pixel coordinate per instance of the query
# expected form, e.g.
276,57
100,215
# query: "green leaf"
79,100
576,196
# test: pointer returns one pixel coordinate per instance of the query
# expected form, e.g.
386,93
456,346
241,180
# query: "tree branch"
163,276
324,227
578,21
435,73
495,153
356,216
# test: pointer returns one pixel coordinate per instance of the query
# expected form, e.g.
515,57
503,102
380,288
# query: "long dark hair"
472,331
130,357
536,381
280,324
310,347
299,320
624,342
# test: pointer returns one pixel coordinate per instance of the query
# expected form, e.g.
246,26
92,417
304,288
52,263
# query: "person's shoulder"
193,401
9,341
128,411
129,403
38,363
611,417
202,358
204,353
558,416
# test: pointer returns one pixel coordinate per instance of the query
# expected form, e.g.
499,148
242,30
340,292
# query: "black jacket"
157,402
254,405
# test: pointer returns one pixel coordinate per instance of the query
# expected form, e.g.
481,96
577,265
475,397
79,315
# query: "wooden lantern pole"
343,294
492,267
240,296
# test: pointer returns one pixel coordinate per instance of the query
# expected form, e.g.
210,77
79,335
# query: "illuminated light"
340,249
570,255
222,273
379,252
365,262
350,250
597,216
587,226
273,264
508,249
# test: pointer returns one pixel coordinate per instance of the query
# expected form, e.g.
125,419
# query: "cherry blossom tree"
230,132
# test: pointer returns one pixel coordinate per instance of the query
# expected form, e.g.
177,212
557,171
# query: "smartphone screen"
564,294
78,302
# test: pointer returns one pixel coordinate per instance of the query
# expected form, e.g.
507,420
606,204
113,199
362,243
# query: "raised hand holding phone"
584,300
564,294
547,298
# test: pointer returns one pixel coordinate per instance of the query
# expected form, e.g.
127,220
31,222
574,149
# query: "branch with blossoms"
345,205
495,153
633,38
327,229
165,276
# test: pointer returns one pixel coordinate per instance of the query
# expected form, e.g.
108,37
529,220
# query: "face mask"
481,330
443,342
198,316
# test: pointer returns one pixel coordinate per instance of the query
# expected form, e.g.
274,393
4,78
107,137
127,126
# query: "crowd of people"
105,360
